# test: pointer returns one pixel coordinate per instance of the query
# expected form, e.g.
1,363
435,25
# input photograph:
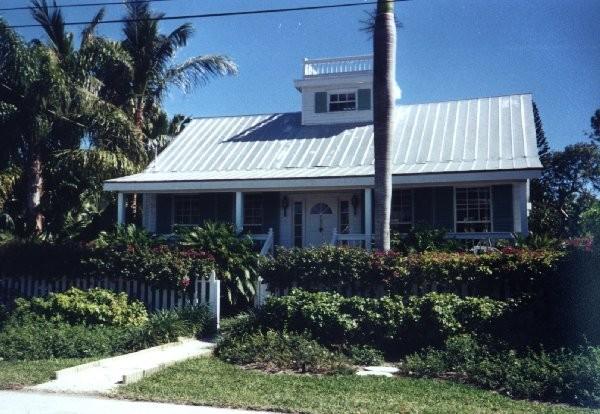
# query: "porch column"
239,211
520,193
367,211
120,208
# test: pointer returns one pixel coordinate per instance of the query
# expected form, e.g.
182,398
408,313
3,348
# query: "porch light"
355,203
284,204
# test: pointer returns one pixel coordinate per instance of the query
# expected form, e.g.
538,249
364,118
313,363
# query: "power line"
66,6
221,14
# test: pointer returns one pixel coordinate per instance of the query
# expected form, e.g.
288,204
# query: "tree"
595,122
568,183
384,66
48,102
542,142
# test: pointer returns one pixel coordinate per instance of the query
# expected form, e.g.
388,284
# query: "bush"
161,266
276,351
569,376
91,307
236,261
353,270
385,323
364,355
36,338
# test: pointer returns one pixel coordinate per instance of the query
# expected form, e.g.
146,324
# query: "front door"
321,219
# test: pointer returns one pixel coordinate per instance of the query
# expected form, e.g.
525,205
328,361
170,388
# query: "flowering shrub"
161,266
344,269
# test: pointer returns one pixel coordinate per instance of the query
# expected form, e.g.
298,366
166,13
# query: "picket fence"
206,291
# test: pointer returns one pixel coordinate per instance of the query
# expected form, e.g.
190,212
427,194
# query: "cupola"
337,90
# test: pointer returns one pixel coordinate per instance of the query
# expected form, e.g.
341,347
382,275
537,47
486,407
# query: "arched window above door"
321,208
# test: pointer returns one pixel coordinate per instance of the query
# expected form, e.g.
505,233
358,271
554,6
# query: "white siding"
309,117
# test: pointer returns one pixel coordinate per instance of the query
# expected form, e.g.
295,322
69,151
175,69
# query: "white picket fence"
206,291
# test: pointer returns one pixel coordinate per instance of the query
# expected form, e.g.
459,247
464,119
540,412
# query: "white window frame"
293,222
490,221
412,206
330,94
174,200
258,212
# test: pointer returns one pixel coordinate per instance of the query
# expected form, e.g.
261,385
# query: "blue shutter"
320,102
423,206
364,99
271,209
502,207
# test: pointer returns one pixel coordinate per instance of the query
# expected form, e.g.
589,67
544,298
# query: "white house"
462,165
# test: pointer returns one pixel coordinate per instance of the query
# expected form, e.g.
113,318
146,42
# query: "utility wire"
66,6
221,14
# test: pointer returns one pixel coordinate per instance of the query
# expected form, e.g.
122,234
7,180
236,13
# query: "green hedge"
345,269
563,375
387,323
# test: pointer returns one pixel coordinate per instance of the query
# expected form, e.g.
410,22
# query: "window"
298,227
473,209
339,102
253,213
402,211
321,208
187,210
344,217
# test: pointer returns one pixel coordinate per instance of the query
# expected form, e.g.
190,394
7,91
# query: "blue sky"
447,49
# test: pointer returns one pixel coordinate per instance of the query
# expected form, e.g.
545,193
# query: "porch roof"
473,138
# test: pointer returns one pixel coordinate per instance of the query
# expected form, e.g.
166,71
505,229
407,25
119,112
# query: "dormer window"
339,102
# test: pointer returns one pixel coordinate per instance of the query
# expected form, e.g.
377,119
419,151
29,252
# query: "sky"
446,49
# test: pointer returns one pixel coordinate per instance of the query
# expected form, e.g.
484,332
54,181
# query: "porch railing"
267,240
334,66
352,239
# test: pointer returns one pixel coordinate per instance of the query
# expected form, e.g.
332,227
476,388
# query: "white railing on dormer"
334,66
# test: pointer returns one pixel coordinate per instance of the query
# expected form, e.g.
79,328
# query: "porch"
296,218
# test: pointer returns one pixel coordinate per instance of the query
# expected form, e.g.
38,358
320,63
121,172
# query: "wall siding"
502,208
310,116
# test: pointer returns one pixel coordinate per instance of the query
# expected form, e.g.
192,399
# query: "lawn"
19,374
208,381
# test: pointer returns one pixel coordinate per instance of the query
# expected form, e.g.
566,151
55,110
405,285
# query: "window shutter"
364,99
163,213
502,207
320,102
423,206
444,208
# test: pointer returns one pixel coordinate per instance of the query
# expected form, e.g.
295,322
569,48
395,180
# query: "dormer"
337,90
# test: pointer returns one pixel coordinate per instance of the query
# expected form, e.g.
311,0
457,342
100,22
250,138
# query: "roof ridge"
469,99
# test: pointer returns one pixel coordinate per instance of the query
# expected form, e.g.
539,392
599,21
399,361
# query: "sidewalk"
106,374
28,402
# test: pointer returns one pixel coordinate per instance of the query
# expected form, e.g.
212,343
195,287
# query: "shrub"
364,355
352,270
385,323
91,307
423,238
275,351
161,266
238,326
125,235
37,338
569,376
236,261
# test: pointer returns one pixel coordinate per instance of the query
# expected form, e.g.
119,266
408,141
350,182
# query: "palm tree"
152,55
49,103
384,65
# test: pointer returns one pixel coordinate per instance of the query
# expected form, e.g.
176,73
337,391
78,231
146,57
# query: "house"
461,165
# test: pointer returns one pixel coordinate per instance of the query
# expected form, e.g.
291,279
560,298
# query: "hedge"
390,323
345,269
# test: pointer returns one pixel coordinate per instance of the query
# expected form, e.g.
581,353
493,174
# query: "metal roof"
483,134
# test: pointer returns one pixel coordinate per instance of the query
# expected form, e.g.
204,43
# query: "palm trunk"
138,119
35,219
384,65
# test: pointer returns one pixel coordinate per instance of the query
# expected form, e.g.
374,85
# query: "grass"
19,374
208,381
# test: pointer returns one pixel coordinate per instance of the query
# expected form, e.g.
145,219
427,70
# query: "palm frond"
53,24
198,71
103,164
88,32
167,45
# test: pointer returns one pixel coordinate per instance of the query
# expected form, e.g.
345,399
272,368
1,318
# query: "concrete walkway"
106,374
23,402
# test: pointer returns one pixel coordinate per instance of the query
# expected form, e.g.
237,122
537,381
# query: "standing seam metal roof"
483,134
